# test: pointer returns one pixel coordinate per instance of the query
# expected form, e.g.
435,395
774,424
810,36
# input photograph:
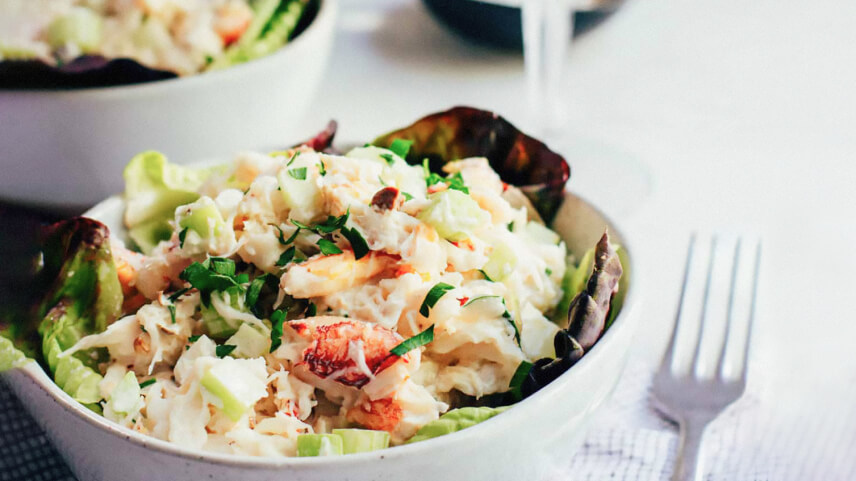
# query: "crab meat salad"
180,36
304,303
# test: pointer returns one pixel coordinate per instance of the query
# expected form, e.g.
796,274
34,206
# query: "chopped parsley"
177,295
486,277
418,340
322,169
193,339
215,274
298,173
276,319
224,350
548,271
406,196
293,157
286,257
181,236
311,310
358,242
401,147
517,379
389,158
281,235
328,247
147,383
171,308
433,296
254,291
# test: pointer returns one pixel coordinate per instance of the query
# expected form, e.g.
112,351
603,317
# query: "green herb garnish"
358,243
518,378
177,294
328,247
433,296
147,383
406,196
298,173
322,169
193,339
389,158
293,157
281,235
224,350
311,310
171,309
286,257
276,319
401,147
255,290
418,340
181,236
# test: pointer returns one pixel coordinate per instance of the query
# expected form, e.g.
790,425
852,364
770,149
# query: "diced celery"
541,233
125,397
455,420
453,214
202,216
362,440
238,390
81,26
319,445
249,342
500,262
301,196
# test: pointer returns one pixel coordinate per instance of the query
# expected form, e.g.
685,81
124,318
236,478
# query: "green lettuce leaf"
10,356
455,420
153,189
82,296
464,132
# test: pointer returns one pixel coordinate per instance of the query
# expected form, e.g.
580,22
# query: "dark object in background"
94,71
498,25
87,71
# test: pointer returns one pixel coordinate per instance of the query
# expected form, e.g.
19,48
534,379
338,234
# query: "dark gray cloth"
25,452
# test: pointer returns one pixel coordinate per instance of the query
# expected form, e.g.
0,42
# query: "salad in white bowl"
181,37
309,303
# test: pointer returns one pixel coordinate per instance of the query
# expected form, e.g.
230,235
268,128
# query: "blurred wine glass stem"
547,29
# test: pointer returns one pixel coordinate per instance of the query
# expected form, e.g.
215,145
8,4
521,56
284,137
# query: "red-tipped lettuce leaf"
519,160
87,71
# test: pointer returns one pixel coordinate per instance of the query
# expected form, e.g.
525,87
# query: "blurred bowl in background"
66,149
498,24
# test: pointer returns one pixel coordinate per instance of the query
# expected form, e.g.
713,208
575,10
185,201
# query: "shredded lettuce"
154,188
455,420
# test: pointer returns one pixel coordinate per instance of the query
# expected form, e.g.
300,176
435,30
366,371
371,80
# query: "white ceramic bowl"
527,442
66,149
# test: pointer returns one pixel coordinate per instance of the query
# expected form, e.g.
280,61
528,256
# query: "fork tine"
703,315
668,357
751,310
735,262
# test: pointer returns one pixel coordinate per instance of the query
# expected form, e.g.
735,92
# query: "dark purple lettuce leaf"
464,132
87,71
323,141
589,311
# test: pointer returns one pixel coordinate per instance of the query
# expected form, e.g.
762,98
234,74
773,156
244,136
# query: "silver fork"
688,399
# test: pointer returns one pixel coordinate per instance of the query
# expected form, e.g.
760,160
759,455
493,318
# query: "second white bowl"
66,149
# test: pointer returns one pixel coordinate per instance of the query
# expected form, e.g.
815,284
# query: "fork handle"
689,466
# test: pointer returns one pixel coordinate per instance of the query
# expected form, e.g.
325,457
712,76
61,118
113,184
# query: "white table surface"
716,115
